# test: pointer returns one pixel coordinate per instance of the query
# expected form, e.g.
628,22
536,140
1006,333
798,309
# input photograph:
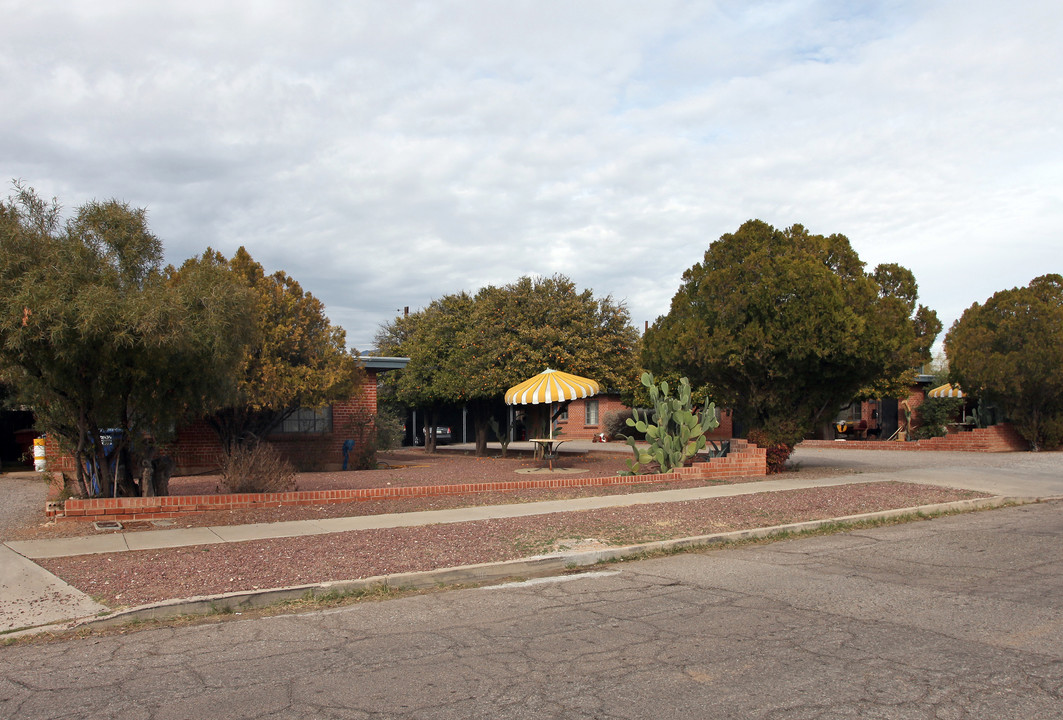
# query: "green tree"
470,350
295,358
95,334
521,329
430,338
1009,351
784,327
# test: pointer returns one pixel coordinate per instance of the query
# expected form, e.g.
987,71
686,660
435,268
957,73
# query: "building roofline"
384,363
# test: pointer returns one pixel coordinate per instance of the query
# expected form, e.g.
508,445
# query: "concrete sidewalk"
158,539
30,596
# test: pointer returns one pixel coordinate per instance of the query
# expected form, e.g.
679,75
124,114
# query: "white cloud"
387,153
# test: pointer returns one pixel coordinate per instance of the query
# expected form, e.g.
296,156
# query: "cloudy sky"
385,153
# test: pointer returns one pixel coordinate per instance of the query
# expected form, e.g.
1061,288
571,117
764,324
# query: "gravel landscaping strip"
134,578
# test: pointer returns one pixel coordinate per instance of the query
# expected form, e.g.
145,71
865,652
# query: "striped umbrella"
946,390
551,386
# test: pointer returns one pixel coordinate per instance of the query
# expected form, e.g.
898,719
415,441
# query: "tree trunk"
79,471
147,486
103,473
481,438
162,469
430,430
481,420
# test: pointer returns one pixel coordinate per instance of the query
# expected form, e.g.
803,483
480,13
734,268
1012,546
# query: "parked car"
443,436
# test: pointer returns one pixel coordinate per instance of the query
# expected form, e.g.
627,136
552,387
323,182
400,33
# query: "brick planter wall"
996,438
744,460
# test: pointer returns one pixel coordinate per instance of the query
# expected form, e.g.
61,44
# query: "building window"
592,411
308,421
563,417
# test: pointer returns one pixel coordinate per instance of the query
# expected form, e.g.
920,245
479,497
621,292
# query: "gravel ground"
132,578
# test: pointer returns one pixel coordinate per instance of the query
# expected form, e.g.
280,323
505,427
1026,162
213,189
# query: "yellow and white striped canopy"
946,390
551,386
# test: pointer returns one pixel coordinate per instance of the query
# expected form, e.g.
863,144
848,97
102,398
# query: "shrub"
1052,432
616,426
778,452
390,429
257,468
363,457
933,416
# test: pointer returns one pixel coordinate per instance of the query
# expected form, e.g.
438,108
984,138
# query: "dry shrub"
616,426
257,469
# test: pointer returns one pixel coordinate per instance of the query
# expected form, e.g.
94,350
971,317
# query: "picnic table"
549,447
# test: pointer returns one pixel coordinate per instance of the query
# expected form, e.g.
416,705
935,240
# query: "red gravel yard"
132,578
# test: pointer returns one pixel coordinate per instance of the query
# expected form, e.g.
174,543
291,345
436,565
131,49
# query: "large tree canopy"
470,350
95,334
1009,352
430,338
295,358
784,327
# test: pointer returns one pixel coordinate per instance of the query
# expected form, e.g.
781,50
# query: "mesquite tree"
95,333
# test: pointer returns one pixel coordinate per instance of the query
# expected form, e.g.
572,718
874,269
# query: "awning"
946,391
551,386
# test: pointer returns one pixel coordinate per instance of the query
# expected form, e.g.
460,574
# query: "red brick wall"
56,460
996,438
576,427
197,449
744,460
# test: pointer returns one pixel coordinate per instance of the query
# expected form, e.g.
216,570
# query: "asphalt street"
958,617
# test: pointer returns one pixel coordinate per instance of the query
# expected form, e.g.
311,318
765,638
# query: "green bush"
1052,432
934,415
390,429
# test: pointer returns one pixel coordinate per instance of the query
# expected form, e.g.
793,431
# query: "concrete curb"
524,568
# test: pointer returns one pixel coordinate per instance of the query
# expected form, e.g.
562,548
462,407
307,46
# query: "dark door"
888,419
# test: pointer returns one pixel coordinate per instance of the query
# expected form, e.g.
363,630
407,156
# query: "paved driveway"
958,617
1026,474
22,497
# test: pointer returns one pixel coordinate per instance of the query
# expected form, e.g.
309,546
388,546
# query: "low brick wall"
996,438
744,460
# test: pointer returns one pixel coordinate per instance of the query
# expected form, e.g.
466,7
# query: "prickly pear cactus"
674,431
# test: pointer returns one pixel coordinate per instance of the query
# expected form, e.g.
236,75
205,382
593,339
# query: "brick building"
310,439
586,418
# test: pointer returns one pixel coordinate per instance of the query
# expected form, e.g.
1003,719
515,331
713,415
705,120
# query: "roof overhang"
384,363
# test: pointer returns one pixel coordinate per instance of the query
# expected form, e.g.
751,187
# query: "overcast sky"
387,153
